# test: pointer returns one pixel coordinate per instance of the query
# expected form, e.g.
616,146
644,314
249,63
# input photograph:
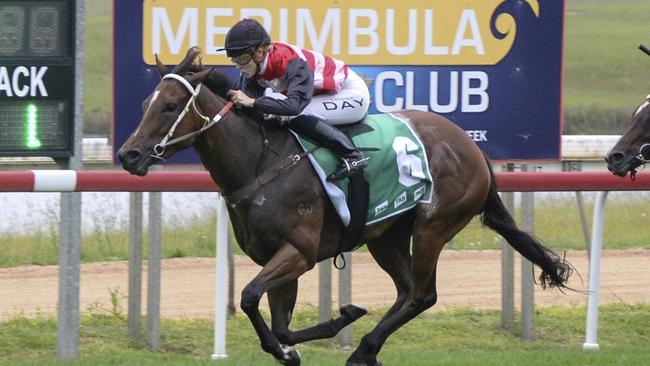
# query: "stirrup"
346,168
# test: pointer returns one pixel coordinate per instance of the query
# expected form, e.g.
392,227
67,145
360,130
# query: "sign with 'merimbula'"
491,66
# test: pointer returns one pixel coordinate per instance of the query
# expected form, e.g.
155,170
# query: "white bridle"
159,149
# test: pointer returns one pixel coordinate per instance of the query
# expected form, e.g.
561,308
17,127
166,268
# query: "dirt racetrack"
465,278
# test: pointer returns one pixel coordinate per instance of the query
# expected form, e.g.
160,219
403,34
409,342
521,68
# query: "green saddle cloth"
397,172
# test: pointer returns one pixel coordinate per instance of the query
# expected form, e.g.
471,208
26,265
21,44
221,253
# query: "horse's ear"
162,69
198,77
194,54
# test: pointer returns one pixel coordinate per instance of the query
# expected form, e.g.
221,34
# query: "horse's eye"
169,107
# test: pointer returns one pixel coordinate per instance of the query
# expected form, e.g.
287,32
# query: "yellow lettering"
365,32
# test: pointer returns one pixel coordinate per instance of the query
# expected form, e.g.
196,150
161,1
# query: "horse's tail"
555,270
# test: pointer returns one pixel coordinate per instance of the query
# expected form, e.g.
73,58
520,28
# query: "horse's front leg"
286,265
282,301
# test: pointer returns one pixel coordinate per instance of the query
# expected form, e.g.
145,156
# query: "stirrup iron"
346,168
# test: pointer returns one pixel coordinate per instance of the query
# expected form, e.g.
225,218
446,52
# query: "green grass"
107,244
98,68
453,337
557,224
99,57
603,67
605,75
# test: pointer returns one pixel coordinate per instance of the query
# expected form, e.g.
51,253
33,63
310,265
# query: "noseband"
644,154
159,149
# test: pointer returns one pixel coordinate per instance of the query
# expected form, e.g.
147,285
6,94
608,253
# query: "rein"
159,149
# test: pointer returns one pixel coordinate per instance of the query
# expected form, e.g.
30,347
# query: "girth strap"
268,175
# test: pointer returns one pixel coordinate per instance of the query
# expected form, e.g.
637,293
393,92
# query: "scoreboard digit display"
37,52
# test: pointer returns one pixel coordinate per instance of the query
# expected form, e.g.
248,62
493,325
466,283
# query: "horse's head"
633,149
170,117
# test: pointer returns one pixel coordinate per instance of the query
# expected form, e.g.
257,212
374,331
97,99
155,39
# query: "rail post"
345,297
67,332
527,280
507,268
221,281
232,308
154,251
591,331
135,265
324,290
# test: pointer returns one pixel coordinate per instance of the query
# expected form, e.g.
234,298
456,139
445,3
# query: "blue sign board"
493,67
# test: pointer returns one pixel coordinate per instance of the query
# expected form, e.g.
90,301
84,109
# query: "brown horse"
287,224
633,148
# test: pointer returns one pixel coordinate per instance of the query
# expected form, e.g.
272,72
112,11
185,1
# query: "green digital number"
31,127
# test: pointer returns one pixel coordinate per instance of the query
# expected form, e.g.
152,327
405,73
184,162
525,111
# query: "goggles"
242,59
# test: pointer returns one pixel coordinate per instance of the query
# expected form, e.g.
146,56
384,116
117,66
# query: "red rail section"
570,181
19,181
200,181
109,181
154,181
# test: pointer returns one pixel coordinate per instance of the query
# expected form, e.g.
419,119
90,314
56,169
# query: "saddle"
396,179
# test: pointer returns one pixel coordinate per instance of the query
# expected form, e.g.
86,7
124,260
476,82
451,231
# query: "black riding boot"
322,134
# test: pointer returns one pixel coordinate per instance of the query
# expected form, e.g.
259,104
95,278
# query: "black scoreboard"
37,78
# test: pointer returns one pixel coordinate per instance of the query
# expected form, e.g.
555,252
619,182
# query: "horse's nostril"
615,157
129,156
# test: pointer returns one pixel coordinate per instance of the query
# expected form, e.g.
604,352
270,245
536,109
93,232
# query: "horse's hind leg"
427,245
282,301
392,253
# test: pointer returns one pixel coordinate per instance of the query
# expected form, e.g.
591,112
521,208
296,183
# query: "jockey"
299,88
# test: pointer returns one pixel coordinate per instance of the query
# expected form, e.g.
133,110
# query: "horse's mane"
216,81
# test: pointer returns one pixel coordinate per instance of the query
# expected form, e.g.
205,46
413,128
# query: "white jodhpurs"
349,105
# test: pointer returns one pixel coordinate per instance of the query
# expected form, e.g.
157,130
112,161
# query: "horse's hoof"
360,361
377,363
352,312
291,356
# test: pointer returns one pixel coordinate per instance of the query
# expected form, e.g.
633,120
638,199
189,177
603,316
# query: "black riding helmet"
245,34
